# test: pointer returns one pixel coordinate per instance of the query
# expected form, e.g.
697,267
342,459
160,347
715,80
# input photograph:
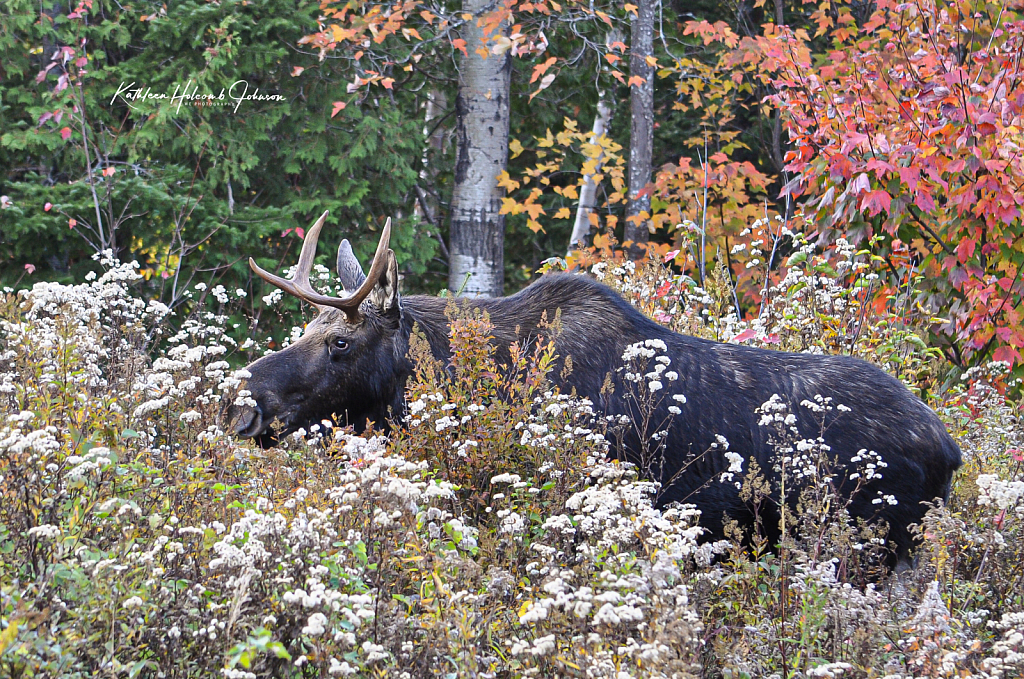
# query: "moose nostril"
249,421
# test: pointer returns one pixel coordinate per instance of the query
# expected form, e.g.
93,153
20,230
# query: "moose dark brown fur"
352,365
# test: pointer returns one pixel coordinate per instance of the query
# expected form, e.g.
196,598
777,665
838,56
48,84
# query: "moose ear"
384,295
349,270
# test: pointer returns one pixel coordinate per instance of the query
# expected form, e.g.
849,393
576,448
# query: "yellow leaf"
566,662
563,213
516,147
651,61
534,226
8,636
629,8
509,206
338,33
506,182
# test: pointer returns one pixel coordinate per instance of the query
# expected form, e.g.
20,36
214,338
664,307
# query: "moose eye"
340,344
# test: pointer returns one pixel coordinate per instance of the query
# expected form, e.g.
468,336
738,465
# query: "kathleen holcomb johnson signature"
188,95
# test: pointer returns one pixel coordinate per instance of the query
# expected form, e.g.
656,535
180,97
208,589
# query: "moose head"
350,363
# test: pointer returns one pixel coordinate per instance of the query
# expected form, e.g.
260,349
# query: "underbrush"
490,536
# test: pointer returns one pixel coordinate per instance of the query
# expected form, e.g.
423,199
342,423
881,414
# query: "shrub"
489,536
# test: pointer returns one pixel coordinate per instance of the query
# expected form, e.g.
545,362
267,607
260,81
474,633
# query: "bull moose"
352,364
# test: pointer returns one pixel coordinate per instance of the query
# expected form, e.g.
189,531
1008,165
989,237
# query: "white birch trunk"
477,237
588,194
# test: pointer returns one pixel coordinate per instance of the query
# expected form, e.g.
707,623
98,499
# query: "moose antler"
300,287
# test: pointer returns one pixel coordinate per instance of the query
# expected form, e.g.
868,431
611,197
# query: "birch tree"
477,232
588,193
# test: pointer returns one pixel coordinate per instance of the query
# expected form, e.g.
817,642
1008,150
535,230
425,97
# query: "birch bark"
588,194
477,235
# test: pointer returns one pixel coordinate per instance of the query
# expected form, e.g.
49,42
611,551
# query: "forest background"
698,133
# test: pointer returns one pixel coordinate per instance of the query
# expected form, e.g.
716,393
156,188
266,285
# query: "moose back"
352,364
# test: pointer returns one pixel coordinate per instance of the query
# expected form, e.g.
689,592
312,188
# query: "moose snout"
248,420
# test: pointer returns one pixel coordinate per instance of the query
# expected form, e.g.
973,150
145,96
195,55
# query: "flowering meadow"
489,535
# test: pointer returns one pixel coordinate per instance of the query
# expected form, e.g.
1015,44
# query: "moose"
352,363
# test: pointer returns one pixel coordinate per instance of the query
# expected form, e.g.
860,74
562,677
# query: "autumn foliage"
905,126
900,131
909,127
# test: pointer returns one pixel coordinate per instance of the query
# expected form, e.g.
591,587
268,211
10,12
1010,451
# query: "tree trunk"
778,159
477,237
641,137
588,194
425,207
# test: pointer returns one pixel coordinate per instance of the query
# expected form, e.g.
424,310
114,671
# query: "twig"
910,211
88,165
